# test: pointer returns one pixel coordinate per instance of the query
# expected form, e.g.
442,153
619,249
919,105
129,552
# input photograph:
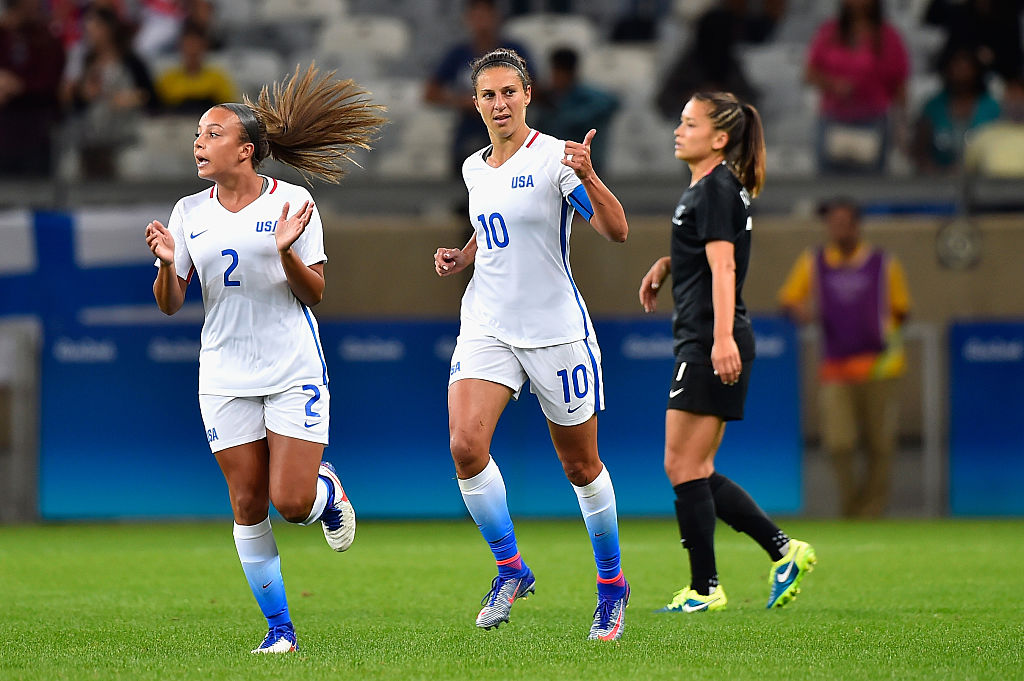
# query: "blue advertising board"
122,436
986,442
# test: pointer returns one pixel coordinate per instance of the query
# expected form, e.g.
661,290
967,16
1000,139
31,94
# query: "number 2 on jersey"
490,225
230,252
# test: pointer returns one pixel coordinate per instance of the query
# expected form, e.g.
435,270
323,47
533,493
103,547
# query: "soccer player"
523,317
256,244
722,142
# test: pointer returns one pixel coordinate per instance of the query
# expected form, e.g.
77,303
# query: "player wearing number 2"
522,317
256,246
721,140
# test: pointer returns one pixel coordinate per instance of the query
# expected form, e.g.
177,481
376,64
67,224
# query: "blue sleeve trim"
581,202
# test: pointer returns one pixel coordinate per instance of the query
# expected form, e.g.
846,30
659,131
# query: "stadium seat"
542,33
363,46
163,149
628,71
252,68
275,12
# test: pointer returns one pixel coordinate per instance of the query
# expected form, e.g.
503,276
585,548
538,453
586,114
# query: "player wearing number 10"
523,317
256,245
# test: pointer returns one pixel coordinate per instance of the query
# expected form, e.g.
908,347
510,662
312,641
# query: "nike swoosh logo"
673,393
267,585
600,534
571,410
697,608
193,235
783,576
308,424
676,221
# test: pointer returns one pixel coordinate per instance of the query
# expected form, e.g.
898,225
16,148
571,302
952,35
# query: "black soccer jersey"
716,208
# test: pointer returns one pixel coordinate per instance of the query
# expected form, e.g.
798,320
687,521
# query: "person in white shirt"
256,246
523,317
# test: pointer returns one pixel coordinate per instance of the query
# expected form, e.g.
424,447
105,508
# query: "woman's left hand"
289,229
725,358
577,156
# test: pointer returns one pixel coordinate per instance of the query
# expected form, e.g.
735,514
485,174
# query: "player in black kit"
721,140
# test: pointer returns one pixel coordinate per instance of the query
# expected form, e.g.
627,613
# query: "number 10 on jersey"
491,225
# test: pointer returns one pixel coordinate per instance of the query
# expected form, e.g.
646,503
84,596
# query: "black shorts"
697,389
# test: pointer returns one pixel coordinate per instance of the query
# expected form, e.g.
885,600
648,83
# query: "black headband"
501,62
247,117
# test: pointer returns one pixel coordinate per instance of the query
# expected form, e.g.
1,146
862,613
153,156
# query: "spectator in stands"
638,20
711,63
31,62
990,28
997,148
106,92
962,105
160,23
859,64
567,109
448,85
194,85
859,295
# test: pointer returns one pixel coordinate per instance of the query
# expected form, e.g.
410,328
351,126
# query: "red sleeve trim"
191,271
532,139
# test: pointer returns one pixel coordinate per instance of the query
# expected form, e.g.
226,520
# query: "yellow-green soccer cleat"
787,573
687,600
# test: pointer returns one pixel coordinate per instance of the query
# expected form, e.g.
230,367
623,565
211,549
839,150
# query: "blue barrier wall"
986,441
121,432
121,435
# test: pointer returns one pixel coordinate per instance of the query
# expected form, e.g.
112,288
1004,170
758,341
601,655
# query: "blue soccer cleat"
609,617
280,639
504,592
338,518
787,573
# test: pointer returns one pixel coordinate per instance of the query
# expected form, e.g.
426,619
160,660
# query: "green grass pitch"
888,600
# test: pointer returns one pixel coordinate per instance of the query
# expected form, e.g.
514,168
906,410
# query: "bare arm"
609,219
725,354
169,288
448,261
652,281
306,281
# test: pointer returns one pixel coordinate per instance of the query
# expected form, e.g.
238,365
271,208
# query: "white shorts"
301,412
566,379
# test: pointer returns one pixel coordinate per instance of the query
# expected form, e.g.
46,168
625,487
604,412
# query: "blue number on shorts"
231,268
491,231
578,371
312,400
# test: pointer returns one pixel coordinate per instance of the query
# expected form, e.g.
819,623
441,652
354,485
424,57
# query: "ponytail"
312,122
745,150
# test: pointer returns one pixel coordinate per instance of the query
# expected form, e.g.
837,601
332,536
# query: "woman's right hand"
651,284
448,261
160,242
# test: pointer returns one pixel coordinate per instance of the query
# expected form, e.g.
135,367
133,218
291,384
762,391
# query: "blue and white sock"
597,502
261,563
324,498
484,495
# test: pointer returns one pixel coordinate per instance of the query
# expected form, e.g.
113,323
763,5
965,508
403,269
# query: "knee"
581,473
680,468
293,508
249,507
469,453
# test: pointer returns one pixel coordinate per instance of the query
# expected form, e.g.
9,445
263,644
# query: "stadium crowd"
95,88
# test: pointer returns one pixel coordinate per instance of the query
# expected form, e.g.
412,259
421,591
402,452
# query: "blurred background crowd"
100,89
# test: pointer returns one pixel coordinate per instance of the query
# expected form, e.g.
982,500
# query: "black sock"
735,507
695,511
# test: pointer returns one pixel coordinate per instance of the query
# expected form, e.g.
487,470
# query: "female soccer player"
522,317
722,141
256,244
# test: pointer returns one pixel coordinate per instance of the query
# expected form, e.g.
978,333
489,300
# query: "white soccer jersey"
258,338
522,291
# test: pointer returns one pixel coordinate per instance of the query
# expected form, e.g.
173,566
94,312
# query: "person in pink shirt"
859,64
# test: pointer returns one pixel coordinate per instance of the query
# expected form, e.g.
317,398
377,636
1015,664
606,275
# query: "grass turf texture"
899,600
